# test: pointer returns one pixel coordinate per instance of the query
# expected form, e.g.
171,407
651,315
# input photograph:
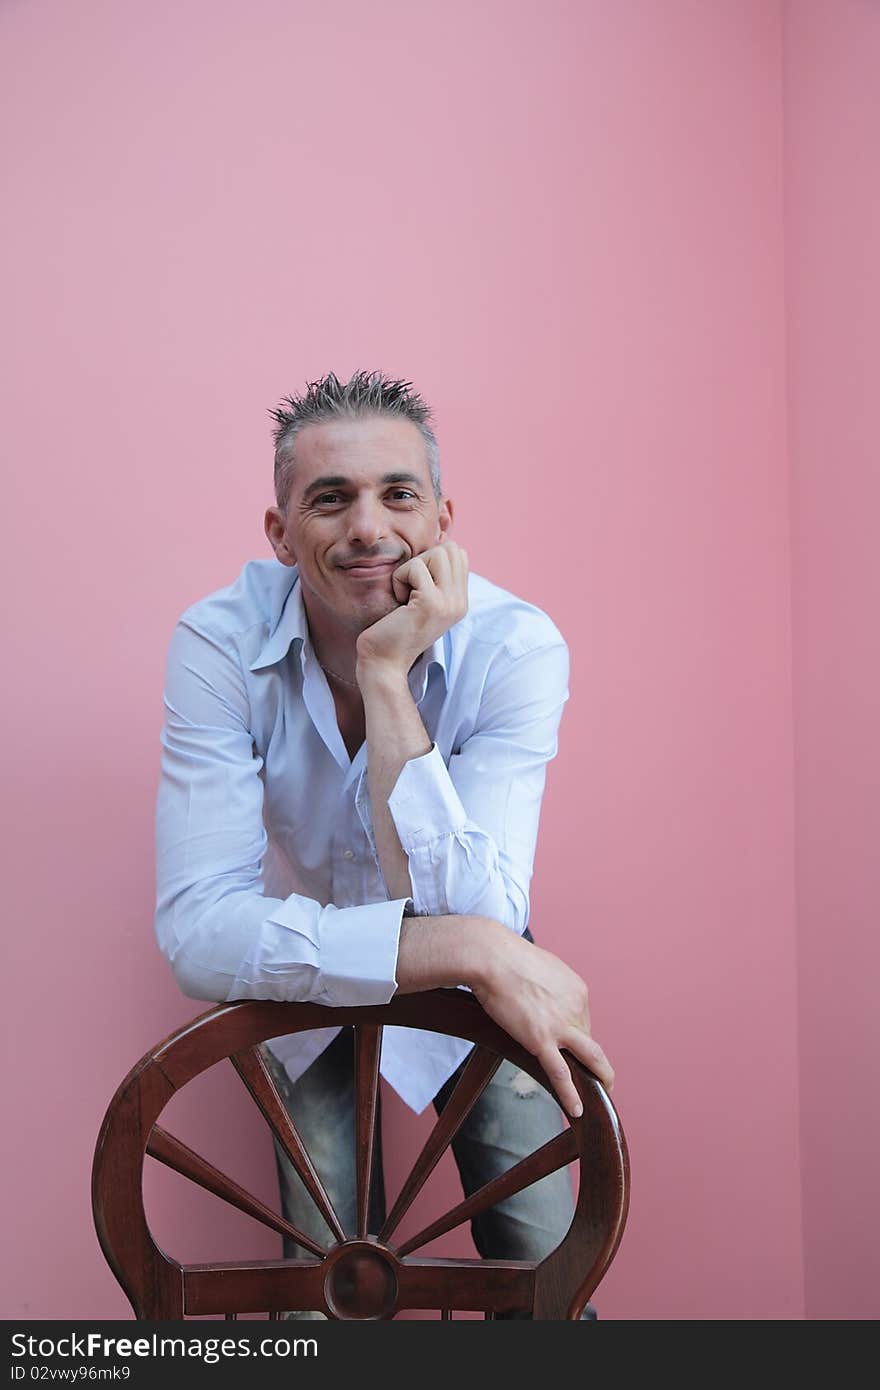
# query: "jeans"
513,1117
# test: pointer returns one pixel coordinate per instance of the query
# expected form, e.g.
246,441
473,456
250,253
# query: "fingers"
444,562
558,1072
559,1076
588,1051
438,563
460,566
447,564
415,573
399,586
457,556
440,571
412,574
456,552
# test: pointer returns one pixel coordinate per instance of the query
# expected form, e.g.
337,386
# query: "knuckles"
447,598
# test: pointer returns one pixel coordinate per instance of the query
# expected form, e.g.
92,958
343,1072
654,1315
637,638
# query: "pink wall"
567,228
832,119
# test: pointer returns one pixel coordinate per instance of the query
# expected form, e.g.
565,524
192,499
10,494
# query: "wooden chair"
363,1274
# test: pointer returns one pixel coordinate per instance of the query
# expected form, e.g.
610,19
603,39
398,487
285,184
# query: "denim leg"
321,1105
513,1117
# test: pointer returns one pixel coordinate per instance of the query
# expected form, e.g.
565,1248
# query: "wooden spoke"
552,1155
368,1049
170,1151
481,1067
255,1075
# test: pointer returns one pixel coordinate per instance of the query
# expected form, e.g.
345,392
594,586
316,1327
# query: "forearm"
441,952
467,817
394,735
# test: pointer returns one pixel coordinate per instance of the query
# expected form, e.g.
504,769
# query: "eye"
327,499
402,494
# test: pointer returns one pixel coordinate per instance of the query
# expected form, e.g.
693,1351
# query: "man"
354,755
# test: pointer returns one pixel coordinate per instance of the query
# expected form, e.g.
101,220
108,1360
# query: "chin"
375,607
364,611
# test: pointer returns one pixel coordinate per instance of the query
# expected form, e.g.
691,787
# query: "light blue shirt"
268,881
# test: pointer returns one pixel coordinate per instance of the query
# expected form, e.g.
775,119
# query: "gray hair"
367,393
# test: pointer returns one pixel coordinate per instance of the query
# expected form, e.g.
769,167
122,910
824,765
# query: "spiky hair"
366,393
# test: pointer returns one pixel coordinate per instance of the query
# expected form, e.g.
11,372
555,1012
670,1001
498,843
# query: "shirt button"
349,854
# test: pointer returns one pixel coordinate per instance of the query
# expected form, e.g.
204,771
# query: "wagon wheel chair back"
363,1274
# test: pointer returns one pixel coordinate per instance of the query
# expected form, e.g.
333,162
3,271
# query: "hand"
431,589
543,1004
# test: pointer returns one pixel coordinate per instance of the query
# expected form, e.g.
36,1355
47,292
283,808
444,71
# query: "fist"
431,589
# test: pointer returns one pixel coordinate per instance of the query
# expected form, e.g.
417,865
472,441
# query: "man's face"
361,502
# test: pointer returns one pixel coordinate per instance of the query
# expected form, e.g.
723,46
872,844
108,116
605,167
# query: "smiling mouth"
373,569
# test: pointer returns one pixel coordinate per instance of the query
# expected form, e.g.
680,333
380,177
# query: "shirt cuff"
359,952
424,804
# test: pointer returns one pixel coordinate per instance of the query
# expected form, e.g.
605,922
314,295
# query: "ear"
275,528
444,518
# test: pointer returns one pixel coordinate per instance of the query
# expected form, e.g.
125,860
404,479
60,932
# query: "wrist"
488,943
475,947
381,673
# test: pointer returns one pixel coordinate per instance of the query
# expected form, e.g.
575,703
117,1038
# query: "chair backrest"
363,1274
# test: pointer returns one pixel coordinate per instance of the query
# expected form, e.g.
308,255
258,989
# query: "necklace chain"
336,676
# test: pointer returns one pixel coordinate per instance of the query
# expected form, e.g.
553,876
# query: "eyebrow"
337,481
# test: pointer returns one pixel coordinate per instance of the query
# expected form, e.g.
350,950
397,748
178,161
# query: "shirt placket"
354,871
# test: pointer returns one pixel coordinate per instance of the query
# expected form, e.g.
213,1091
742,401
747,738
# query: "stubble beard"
376,608
357,616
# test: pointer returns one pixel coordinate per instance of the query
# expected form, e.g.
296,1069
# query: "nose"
366,521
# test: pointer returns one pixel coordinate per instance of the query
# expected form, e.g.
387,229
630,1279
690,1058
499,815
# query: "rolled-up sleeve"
469,829
223,938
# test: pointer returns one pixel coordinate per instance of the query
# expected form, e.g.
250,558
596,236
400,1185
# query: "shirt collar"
292,625
288,625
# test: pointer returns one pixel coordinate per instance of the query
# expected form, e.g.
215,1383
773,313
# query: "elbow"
193,977
465,877
516,909
501,900
513,904
194,981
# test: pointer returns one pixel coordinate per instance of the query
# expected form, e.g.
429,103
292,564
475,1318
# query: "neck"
336,679
334,646
338,658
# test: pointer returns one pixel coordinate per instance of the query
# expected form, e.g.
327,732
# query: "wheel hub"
361,1281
